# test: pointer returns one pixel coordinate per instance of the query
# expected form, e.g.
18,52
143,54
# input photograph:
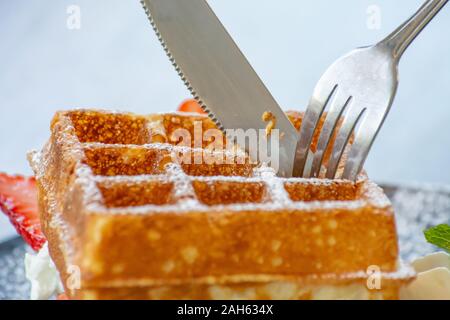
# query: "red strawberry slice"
18,200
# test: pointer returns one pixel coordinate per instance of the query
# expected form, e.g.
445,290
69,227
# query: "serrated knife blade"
217,73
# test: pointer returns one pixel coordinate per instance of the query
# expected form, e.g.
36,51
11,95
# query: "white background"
115,61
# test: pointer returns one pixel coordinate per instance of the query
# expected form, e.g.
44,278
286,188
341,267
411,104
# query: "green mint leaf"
439,236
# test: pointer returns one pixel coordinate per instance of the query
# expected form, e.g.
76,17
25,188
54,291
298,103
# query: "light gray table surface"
114,61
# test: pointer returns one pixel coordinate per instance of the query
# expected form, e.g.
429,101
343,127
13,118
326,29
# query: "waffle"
124,218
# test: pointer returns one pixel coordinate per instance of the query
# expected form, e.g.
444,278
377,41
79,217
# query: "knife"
218,75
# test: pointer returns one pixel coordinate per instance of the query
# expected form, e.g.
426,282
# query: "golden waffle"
117,206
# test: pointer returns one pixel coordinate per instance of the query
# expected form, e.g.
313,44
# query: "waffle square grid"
119,205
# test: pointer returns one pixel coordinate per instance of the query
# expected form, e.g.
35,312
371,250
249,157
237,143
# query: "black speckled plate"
416,207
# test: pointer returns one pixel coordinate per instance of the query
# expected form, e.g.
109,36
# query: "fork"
359,88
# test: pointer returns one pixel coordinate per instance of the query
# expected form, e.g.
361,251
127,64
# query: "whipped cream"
433,279
41,272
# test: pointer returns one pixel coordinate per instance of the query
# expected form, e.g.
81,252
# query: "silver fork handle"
399,40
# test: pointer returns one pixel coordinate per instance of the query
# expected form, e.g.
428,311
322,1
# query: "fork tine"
364,139
337,109
344,134
309,125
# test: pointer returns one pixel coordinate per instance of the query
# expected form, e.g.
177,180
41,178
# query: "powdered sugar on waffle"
274,185
183,191
279,198
38,163
92,194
